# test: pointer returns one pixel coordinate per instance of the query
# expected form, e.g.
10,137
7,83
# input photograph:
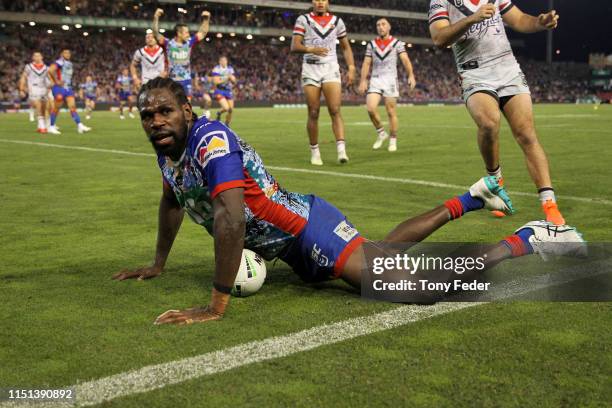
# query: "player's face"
320,6
223,61
37,58
89,78
150,40
383,27
66,54
183,34
124,72
165,121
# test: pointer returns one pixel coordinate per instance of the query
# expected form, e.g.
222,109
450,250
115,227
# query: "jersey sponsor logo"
318,256
213,145
345,231
459,3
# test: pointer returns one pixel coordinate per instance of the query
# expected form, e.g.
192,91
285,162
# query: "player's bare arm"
348,57
134,73
409,69
170,220
444,33
53,75
22,84
160,38
525,23
204,26
365,70
298,47
229,230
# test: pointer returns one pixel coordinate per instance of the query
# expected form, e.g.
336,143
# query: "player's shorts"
500,80
90,97
38,93
321,250
60,92
385,86
124,95
186,84
220,94
317,74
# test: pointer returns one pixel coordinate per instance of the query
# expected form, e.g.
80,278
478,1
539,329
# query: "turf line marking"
158,376
321,172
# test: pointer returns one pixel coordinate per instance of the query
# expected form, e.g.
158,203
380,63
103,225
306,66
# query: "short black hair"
178,26
165,83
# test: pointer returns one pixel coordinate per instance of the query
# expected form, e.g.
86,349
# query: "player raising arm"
383,53
315,35
178,50
222,183
151,60
492,81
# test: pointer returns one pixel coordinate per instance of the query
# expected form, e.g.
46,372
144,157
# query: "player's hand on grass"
158,13
549,20
147,272
483,13
411,82
189,316
319,51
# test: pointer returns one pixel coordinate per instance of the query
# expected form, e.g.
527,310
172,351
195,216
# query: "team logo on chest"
459,3
383,48
323,26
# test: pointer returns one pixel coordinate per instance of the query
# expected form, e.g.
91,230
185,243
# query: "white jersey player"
492,80
36,76
383,54
315,35
151,59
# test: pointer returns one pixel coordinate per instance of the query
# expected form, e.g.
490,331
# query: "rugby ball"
251,274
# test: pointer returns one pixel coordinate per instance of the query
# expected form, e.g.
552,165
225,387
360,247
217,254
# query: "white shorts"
502,79
318,74
38,94
386,86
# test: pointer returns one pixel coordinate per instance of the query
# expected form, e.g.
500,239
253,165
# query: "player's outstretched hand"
206,15
320,51
158,13
189,316
484,13
147,272
549,20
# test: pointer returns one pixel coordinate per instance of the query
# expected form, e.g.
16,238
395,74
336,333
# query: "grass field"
70,218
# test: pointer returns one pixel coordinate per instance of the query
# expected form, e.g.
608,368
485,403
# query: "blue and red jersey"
215,160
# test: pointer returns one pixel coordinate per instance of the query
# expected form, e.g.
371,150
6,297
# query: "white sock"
314,149
547,194
380,131
41,122
497,172
340,146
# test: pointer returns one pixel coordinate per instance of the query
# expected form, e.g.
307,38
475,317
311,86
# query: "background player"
60,73
492,80
151,60
223,185
315,35
382,54
178,50
124,89
224,79
206,89
35,77
89,93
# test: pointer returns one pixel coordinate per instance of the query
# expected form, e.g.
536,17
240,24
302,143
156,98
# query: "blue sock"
470,203
524,235
53,118
75,117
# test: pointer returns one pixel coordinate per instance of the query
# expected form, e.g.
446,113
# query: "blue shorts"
91,97
322,248
186,84
59,92
219,94
124,95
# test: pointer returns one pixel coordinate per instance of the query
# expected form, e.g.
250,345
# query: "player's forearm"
365,70
155,28
449,35
229,229
204,27
408,67
133,71
170,220
348,56
298,47
528,24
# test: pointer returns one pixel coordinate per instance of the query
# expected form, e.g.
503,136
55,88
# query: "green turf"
70,219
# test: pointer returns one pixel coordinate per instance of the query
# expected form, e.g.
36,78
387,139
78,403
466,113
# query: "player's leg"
313,103
71,102
518,110
484,109
333,97
391,107
130,101
38,106
32,110
372,102
230,111
207,104
121,106
223,104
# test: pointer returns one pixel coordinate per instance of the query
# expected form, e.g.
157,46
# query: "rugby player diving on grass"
222,184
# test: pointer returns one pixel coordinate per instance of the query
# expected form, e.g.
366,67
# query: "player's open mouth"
163,140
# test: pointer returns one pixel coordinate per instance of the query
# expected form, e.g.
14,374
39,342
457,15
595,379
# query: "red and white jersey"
385,55
37,76
484,42
320,31
152,62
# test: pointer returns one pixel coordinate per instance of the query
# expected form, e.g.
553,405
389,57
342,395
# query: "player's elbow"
439,40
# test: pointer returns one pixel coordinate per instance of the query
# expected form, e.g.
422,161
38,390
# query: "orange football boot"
552,213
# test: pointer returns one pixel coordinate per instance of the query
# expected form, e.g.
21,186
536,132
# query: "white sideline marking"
321,172
158,376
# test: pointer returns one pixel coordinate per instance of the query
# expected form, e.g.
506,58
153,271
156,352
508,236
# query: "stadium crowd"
266,70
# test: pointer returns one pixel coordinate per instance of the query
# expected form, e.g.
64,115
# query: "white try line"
158,376
424,183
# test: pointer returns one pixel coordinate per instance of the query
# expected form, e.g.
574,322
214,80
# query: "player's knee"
488,126
526,137
230,110
313,113
334,111
371,110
